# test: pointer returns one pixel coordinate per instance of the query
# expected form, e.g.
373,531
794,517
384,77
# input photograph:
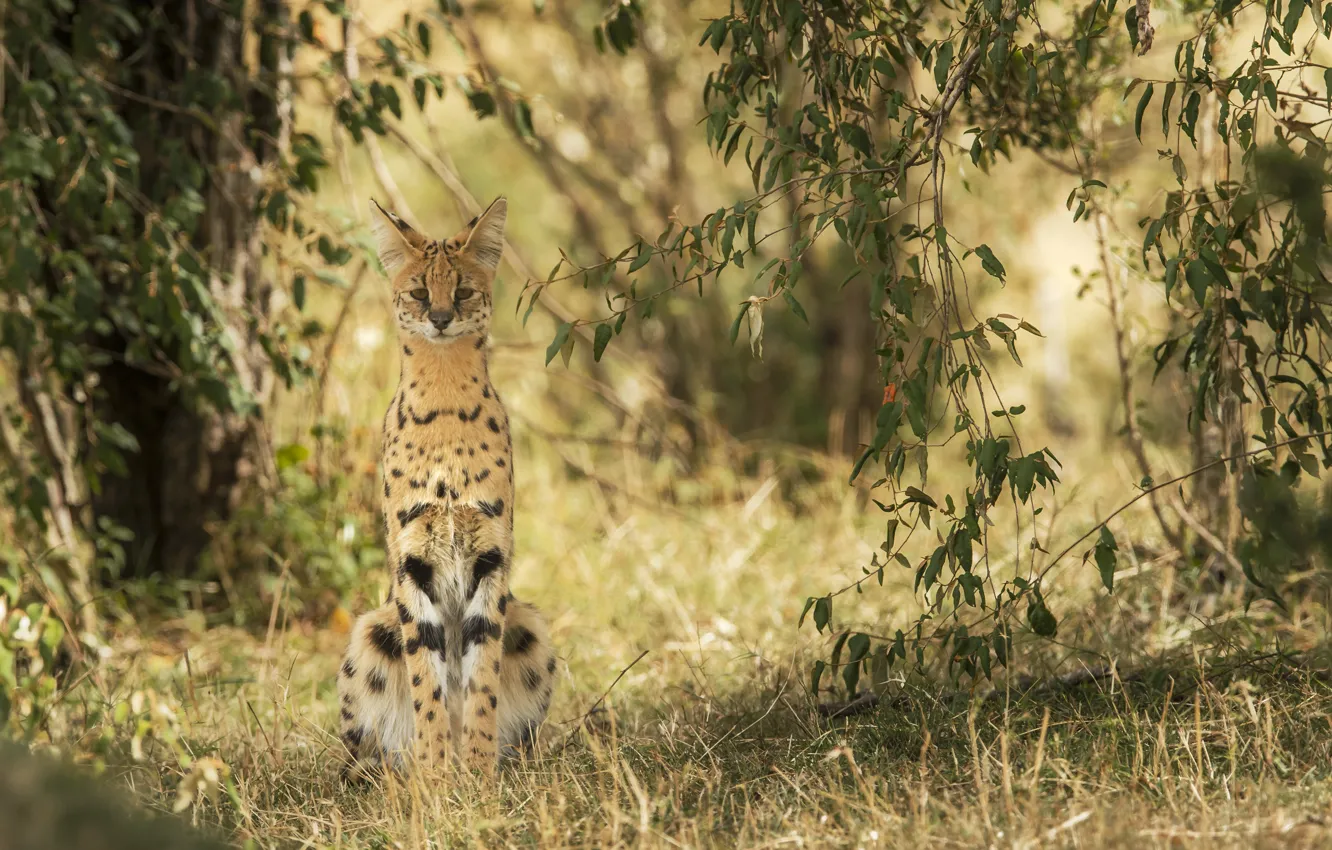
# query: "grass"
1234,757
712,740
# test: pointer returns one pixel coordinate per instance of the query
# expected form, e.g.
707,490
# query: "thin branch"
1132,434
582,721
352,71
1178,478
1206,534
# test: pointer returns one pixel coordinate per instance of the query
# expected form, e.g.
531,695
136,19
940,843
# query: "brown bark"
194,461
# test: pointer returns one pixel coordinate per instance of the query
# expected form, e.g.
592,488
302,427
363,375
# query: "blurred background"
199,350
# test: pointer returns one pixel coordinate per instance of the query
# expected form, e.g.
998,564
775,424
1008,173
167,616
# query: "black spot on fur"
499,462
435,695
407,351
486,563
353,736
430,715
404,616
432,636
482,475
416,706
416,681
478,629
402,417
414,512
396,473
493,425
470,417
427,418
485,392
415,485
441,490
413,646
550,666
387,492
348,670
376,681
422,575
531,678
518,640
347,715
504,603
492,700
387,641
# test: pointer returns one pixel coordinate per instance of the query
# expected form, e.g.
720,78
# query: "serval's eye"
464,293
420,294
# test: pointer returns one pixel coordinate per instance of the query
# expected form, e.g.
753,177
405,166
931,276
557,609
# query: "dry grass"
712,739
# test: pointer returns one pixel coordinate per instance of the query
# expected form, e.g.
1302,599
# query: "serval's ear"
397,239
483,239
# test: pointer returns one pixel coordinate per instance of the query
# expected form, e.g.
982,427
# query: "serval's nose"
441,318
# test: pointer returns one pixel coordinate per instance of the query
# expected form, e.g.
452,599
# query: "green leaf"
822,612
739,317
914,494
1041,620
1294,11
643,258
858,646
1165,108
522,119
290,455
809,603
1142,109
1106,558
942,61
1198,278
819,667
561,335
990,262
1001,641
795,305
603,337
856,137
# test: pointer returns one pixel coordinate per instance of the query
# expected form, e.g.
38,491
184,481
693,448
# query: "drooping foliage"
857,109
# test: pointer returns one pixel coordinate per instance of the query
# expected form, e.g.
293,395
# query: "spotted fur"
451,669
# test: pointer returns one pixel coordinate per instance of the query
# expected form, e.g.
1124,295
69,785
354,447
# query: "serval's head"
442,289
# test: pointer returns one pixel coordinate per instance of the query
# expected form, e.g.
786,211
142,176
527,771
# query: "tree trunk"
848,369
195,461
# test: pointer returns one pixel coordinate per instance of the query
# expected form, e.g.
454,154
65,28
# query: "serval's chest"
446,433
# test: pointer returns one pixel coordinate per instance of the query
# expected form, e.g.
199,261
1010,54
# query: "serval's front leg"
489,546
418,552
